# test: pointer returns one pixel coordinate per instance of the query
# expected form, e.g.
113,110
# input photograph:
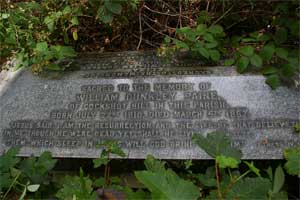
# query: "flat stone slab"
149,106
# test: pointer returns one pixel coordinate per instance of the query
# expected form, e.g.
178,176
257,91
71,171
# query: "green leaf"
208,37
269,70
201,29
54,67
256,60
249,189
278,179
216,144
8,159
61,52
229,62
280,36
211,45
292,155
273,81
215,55
181,45
287,70
247,51
74,21
282,53
167,186
33,188
98,162
41,47
267,51
215,29
227,162
207,179
253,168
203,52
75,35
154,165
113,7
76,187
242,64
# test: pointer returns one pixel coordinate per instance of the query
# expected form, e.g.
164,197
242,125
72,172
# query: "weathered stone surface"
148,108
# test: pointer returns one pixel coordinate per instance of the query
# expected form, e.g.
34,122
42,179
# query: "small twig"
207,6
218,180
215,22
154,29
146,41
141,28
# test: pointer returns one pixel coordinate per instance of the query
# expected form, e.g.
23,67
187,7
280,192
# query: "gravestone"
146,104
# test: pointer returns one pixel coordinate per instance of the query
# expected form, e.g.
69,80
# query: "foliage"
292,156
165,183
23,175
77,187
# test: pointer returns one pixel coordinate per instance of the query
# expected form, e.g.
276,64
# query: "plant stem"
11,185
218,181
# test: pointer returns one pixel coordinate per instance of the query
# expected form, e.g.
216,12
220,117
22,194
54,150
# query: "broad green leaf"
287,70
280,36
61,52
8,159
208,37
154,165
136,195
249,189
168,186
227,162
282,53
215,29
67,10
98,162
252,168
229,62
76,187
278,179
201,29
203,52
256,60
33,188
211,45
215,55
247,51
99,182
269,70
216,144
41,47
273,81
267,51
206,179
104,15
181,45
74,21
242,64
113,7
292,155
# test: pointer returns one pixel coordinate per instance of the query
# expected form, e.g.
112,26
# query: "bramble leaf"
216,144
247,51
242,64
227,162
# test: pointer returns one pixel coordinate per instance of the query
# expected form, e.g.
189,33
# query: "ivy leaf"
267,51
292,156
278,179
215,29
227,162
216,144
247,51
256,60
229,62
242,64
250,188
215,55
253,168
273,81
282,53
280,36
167,186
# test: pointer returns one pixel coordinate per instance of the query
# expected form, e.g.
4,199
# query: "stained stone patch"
149,106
